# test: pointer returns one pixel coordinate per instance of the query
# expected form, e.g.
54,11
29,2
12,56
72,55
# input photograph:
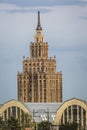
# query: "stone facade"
39,81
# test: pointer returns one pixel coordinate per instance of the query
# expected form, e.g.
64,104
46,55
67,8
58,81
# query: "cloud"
83,0
83,17
70,31
65,32
11,8
65,22
44,3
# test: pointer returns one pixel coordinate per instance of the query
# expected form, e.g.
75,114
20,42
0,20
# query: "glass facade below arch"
74,113
12,111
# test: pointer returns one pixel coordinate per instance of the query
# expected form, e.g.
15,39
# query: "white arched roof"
67,103
13,103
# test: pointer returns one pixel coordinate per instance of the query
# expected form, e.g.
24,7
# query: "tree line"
26,122
16,124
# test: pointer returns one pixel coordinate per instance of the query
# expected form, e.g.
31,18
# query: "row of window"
40,69
39,64
74,113
39,47
12,111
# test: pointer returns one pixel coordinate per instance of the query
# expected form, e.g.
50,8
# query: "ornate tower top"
39,48
38,22
39,36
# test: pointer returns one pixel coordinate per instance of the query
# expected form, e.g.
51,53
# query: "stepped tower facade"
39,81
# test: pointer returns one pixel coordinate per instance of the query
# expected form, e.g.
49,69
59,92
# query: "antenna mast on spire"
38,22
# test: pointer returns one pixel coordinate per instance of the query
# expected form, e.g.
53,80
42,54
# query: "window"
18,109
14,111
9,111
5,114
74,113
37,39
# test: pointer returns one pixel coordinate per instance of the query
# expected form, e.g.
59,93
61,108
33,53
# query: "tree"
3,124
13,124
69,126
74,126
44,125
26,120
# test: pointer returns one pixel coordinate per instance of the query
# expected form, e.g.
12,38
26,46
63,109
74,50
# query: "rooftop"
43,111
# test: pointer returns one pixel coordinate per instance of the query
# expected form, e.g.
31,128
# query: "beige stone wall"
39,81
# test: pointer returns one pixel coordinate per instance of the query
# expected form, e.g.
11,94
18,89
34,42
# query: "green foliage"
13,124
10,124
69,126
3,124
26,120
44,125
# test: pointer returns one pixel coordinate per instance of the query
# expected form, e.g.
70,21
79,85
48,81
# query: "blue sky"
64,26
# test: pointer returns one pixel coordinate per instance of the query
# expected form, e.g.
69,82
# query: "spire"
38,22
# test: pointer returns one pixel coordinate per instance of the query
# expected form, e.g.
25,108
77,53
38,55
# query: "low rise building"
57,113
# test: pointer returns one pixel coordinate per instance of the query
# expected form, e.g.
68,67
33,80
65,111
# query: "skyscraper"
39,81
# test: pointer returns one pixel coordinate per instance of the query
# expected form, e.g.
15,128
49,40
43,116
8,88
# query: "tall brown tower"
39,81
